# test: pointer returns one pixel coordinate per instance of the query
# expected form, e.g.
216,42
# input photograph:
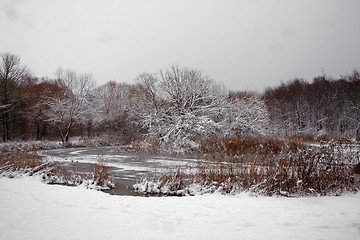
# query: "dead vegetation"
23,159
17,160
267,166
101,176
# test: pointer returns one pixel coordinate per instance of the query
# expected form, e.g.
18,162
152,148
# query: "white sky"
245,44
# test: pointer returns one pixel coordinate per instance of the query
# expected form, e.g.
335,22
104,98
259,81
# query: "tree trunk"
6,130
61,134
68,131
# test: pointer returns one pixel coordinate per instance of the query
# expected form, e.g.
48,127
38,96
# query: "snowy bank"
33,210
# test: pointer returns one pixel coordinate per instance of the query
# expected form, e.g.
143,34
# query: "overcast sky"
245,44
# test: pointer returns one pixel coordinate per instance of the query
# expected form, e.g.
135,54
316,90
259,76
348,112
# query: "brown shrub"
101,172
323,138
272,145
236,146
211,145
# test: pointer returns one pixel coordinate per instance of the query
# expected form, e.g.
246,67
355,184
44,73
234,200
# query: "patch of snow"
76,152
33,210
168,162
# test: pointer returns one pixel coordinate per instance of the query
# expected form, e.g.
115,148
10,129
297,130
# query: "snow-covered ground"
30,209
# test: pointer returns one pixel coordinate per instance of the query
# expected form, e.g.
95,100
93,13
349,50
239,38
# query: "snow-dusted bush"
54,173
100,177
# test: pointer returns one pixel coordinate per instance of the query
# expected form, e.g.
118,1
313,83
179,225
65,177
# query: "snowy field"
33,210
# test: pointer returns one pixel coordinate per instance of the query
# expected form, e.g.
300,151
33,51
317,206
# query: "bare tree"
12,75
115,102
113,99
149,102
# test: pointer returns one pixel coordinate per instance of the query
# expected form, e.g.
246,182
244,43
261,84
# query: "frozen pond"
127,168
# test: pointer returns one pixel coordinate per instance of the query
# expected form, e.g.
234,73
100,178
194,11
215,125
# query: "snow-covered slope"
30,209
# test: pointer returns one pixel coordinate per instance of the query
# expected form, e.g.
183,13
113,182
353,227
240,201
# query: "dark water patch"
123,187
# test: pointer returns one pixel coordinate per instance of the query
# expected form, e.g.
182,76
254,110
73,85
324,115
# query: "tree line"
179,104
325,106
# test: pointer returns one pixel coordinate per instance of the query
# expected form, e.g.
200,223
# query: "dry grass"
262,166
101,172
19,160
236,146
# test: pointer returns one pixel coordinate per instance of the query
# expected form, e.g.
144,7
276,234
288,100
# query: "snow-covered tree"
247,115
72,104
183,104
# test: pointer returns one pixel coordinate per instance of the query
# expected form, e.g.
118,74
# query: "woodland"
177,104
